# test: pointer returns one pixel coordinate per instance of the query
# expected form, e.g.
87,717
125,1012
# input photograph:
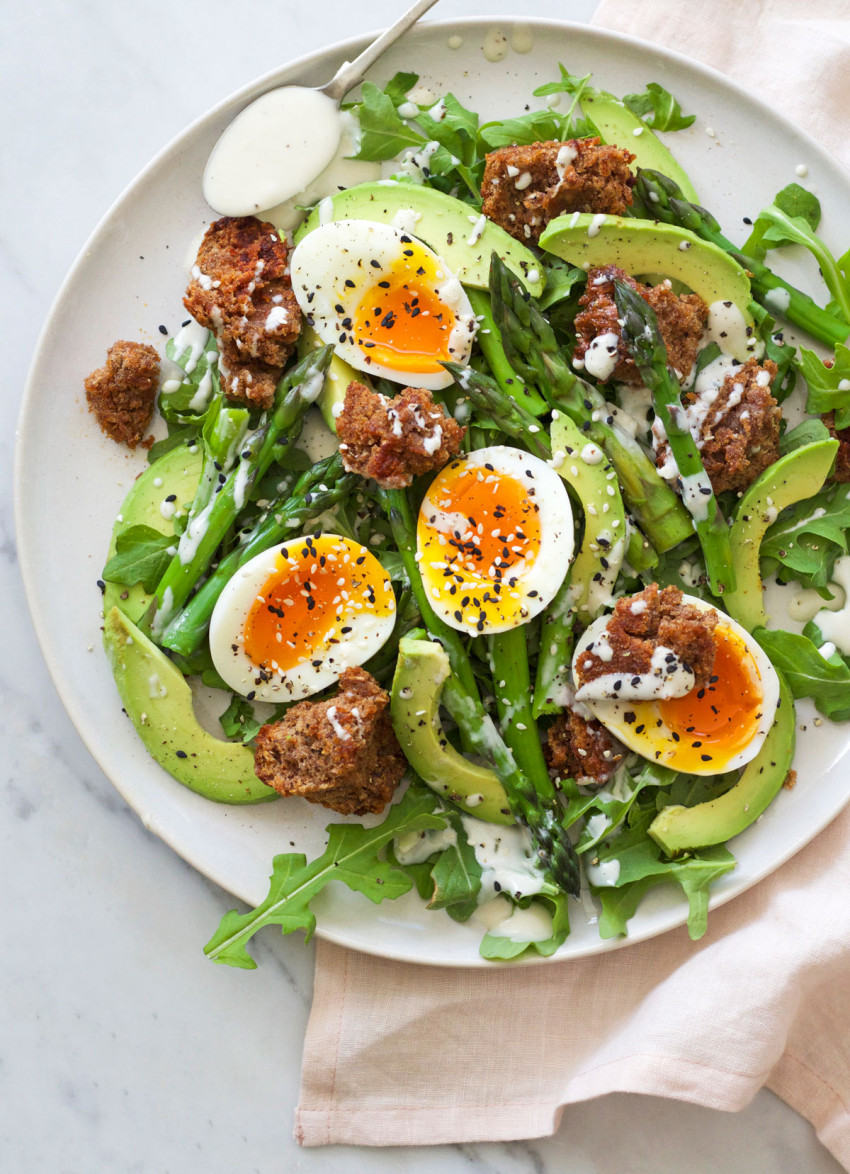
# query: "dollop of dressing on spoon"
272,150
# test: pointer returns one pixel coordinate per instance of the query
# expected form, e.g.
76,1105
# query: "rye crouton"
524,187
394,440
122,393
681,318
341,753
240,290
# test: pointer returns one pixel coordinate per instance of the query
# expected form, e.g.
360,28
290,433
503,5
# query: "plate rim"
288,73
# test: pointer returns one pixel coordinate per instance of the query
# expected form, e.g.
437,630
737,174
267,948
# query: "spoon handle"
351,73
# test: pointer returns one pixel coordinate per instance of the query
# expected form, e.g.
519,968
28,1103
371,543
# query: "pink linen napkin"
762,1000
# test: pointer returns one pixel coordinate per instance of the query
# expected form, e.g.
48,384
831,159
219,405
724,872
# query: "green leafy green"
809,674
456,875
383,132
791,220
641,866
177,406
806,432
353,856
658,108
141,556
808,537
829,386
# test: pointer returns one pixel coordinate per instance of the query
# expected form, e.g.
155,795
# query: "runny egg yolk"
479,534
307,603
401,322
720,719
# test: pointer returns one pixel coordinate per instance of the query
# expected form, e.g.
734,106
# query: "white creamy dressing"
696,495
804,603
596,223
193,338
495,47
406,219
605,874
563,159
834,626
506,856
415,165
533,924
727,326
341,172
777,300
417,847
202,396
274,149
601,356
316,438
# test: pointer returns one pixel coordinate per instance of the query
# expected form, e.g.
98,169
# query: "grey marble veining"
121,1048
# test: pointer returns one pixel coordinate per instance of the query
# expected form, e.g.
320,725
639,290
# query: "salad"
471,481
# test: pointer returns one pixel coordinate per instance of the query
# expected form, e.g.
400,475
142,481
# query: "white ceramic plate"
129,278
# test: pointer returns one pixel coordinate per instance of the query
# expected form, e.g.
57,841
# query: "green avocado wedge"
587,471
649,247
794,477
158,702
621,127
453,230
423,666
176,472
681,829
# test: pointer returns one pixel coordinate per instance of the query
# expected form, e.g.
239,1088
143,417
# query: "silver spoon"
282,141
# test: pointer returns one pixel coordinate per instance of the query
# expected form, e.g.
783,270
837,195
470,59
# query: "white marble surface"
121,1048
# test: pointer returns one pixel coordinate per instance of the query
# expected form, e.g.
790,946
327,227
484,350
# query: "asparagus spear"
646,346
296,391
533,351
665,199
489,338
540,812
315,491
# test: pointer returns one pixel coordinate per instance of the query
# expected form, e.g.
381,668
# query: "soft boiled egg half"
494,539
388,304
293,618
704,731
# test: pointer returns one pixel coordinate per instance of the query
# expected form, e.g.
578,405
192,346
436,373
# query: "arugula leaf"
239,720
782,353
829,386
796,201
398,87
806,540
569,83
141,556
789,223
456,875
809,674
807,432
561,279
641,866
658,108
352,856
383,132
499,948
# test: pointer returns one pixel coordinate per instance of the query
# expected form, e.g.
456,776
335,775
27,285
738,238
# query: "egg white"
357,627
465,596
337,267
646,732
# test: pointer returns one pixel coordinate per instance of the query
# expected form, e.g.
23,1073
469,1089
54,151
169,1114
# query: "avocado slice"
681,829
621,127
337,377
176,472
647,247
158,702
422,668
453,230
587,470
794,477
